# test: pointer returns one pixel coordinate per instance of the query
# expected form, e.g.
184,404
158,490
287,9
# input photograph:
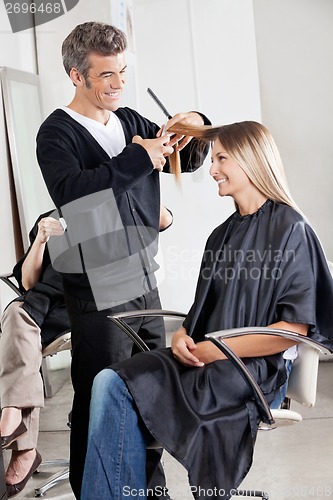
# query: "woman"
263,266
41,307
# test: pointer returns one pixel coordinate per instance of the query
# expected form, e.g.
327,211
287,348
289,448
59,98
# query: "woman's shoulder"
295,228
287,213
289,218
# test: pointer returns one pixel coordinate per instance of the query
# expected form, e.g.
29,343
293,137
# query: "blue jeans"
281,394
115,467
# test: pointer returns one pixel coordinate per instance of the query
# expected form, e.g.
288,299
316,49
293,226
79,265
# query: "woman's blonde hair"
251,145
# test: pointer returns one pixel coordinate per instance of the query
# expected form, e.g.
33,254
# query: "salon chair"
302,383
61,343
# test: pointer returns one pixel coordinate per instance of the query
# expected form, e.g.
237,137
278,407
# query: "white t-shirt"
291,353
110,137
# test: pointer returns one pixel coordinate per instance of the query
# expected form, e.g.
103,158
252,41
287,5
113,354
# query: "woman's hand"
207,352
33,263
249,346
183,348
190,354
48,226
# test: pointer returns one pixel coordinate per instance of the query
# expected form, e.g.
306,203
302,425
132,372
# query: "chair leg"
46,378
52,481
53,380
251,493
57,478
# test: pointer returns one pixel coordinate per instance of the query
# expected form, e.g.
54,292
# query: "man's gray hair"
87,38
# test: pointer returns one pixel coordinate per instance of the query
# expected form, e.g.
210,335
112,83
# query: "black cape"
45,302
256,270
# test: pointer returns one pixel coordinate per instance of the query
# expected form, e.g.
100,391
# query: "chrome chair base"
56,478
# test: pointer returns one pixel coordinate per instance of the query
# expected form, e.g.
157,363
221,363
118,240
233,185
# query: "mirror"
23,114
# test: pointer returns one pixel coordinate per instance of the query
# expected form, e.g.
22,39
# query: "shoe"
15,489
8,440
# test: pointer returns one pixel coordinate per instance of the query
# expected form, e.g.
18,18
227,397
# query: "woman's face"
231,179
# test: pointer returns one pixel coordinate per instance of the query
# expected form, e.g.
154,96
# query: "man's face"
105,81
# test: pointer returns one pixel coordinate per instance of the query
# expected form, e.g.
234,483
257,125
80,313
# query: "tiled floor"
290,463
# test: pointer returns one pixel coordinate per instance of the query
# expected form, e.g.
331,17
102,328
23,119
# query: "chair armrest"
61,343
246,374
119,319
261,330
218,338
282,418
148,312
8,279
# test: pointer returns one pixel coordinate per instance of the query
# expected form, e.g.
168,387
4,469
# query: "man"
94,146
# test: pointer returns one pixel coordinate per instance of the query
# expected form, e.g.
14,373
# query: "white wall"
201,58
295,41
17,50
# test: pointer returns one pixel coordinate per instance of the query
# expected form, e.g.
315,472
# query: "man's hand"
157,149
190,118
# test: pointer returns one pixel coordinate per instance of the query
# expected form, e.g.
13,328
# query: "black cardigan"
74,165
